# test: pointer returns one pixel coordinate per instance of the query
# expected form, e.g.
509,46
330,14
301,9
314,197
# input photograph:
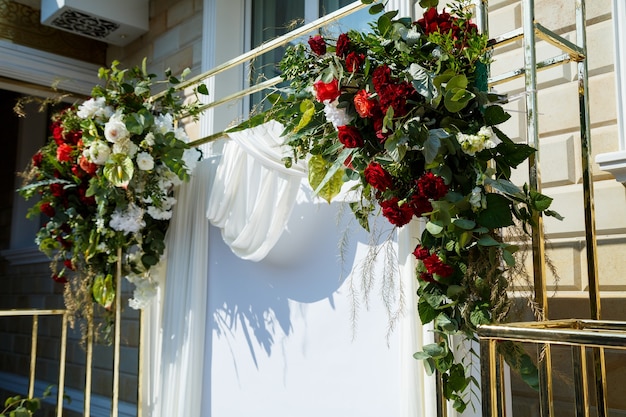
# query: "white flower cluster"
128,221
336,115
145,290
484,139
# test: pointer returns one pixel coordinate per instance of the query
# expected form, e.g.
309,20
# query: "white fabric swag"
253,192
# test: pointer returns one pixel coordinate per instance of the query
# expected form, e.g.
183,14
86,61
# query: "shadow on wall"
305,266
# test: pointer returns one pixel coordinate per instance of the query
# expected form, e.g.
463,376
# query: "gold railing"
580,335
36,314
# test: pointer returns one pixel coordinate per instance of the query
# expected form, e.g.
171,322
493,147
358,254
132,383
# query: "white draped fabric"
253,192
249,195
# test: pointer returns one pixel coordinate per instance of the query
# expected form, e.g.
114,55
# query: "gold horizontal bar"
270,45
576,53
18,313
561,336
543,65
242,93
506,38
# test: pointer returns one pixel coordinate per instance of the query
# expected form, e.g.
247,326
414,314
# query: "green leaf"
465,224
487,240
307,108
432,145
202,89
425,4
456,99
426,312
423,81
504,186
434,350
480,316
325,179
376,8
367,1
434,228
539,202
497,214
103,291
494,115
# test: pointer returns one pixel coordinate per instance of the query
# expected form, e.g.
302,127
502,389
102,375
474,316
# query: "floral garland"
404,110
105,180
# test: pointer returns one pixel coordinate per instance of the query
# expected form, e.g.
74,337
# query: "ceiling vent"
117,22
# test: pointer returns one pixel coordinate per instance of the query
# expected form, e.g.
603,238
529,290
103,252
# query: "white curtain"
173,327
253,192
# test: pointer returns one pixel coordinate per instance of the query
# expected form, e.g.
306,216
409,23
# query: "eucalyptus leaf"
434,228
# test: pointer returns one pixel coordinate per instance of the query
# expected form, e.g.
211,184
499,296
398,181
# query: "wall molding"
29,65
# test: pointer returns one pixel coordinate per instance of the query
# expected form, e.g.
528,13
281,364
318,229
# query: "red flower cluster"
350,136
396,212
326,91
392,93
433,264
317,44
444,23
378,177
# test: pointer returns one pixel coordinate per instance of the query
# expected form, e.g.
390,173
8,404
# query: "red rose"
73,137
59,279
326,91
64,152
364,105
421,252
397,214
56,189
434,265
68,264
47,209
381,77
378,177
425,276
350,136
57,132
343,43
317,44
87,166
354,61
420,205
37,159
431,186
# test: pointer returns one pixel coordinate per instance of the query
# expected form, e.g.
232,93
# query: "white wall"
281,341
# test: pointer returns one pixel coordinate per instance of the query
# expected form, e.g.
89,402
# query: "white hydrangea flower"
164,123
191,157
128,221
181,135
336,115
145,162
98,152
148,140
126,147
115,129
94,108
159,213
477,200
484,139
145,291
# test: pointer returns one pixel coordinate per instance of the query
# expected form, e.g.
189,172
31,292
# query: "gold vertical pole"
33,356
117,335
141,366
538,239
88,370
62,357
579,362
488,377
590,222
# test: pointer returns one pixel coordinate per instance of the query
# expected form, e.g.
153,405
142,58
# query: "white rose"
94,108
148,140
145,162
164,123
98,152
125,146
115,129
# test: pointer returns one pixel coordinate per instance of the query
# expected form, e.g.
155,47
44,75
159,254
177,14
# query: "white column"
615,162
406,8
